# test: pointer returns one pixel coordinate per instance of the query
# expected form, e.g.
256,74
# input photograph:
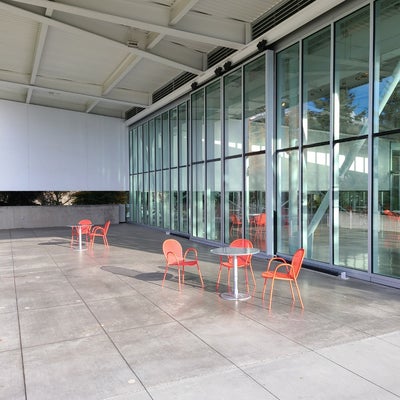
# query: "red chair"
99,231
174,256
242,262
284,271
86,226
261,223
236,226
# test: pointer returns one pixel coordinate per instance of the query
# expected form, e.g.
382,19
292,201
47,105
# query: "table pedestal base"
231,296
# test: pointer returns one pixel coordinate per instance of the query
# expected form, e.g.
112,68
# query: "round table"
235,252
79,227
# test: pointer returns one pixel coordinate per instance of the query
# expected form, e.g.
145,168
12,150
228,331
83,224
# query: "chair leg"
291,289
270,296
265,286
165,274
201,276
229,278
219,276
179,277
298,292
252,274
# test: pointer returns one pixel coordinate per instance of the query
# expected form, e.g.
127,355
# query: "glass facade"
201,167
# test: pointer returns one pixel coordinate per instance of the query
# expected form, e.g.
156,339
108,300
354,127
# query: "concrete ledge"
51,216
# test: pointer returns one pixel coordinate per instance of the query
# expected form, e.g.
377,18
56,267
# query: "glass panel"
145,199
140,198
173,121
166,140
387,212
159,200
174,200
254,105
134,198
214,200
233,113
316,87
287,77
140,149
352,73
183,200
145,147
198,206
233,199
152,199
213,117
288,239
166,200
316,173
183,134
152,146
133,150
388,65
350,216
198,129
255,200
158,143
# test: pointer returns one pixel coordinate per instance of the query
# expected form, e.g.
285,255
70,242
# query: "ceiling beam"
72,29
179,9
69,93
144,25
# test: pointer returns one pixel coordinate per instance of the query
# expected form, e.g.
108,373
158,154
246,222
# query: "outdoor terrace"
97,325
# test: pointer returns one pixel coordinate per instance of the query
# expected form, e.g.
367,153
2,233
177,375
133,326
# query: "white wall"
50,149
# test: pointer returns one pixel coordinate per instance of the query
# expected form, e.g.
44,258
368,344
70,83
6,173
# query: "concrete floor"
97,325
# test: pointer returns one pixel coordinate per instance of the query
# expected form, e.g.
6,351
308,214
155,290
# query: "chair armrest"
97,229
190,250
286,265
274,259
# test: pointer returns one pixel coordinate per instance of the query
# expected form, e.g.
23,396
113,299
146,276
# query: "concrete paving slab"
12,385
312,376
56,324
89,368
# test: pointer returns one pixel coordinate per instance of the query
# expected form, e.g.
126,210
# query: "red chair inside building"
175,257
236,226
242,262
279,269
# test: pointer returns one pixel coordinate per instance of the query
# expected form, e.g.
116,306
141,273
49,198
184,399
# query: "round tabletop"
234,251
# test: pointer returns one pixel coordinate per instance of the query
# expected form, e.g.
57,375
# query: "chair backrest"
262,219
172,246
85,225
297,262
235,219
106,226
241,243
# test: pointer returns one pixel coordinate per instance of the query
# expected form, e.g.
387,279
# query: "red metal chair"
261,223
242,262
99,231
284,271
236,226
174,256
86,226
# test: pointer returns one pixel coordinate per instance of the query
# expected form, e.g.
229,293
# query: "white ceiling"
107,56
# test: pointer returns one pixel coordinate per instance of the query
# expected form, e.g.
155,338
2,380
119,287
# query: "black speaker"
262,45
219,71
